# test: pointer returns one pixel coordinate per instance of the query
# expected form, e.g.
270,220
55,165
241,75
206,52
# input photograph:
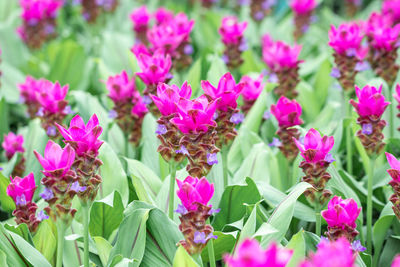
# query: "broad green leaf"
7,203
21,230
249,227
183,259
149,155
298,245
45,241
4,118
380,229
103,248
217,70
222,245
194,76
255,116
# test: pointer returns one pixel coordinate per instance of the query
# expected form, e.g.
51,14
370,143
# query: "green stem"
224,155
391,117
349,147
172,166
369,205
126,152
210,247
317,219
85,222
61,227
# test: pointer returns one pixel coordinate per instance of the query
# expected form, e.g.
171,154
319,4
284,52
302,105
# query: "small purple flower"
40,113
367,128
305,28
357,247
243,46
169,76
49,29
77,188
335,73
301,140
20,201
41,216
199,238
351,52
267,115
212,158
182,150
112,114
51,131
362,66
86,15
265,72
259,15
181,209
188,49
161,129
313,18
213,211
275,142
323,239
267,4
146,99
215,116
68,110
225,59
273,78
237,118
211,236
46,194
329,158
243,2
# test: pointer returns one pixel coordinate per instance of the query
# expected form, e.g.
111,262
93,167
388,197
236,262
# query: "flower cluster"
317,158
283,62
370,108
92,9
232,36
195,194
391,8
349,53
38,21
287,113
129,107
250,254
13,144
252,89
303,10
140,18
394,172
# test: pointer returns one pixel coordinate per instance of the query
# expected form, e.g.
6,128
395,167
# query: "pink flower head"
341,213
22,189
140,18
392,8
347,40
195,116
250,254
56,158
194,190
165,37
155,69
231,30
279,55
83,138
51,97
394,172
227,92
29,88
139,49
315,148
371,101
183,25
397,94
396,261
287,112
168,97
303,6
332,254
163,15
12,144
139,108
375,22
35,11
120,87
252,88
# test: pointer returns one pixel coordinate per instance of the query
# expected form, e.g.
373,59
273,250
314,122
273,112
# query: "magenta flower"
371,101
155,69
252,88
195,115
250,254
164,37
341,213
56,158
395,168
227,92
183,25
392,8
83,138
315,148
397,94
51,97
29,88
303,6
12,144
139,49
139,108
381,33
332,254
34,11
231,30
194,190
163,15
347,40
168,97
140,18
396,261
22,189
287,112
120,87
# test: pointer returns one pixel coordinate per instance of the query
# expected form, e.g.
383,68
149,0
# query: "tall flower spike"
317,158
250,254
232,36
341,217
302,10
140,18
370,108
21,190
92,9
252,89
195,194
288,112
283,62
394,172
13,144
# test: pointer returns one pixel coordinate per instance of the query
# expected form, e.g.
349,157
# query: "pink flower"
22,189
332,254
394,172
139,49
56,158
341,213
250,254
155,69
51,97
396,261
163,15
397,94
346,40
303,6
12,144
195,116
183,25
120,87
29,88
140,18
83,138
381,33
168,97
227,92
371,101
252,88
392,8
231,30
279,55
315,148
34,11
139,108
287,112
194,190
164,37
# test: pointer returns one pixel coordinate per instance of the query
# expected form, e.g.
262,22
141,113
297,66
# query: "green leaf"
380,229
255,116
7,203
149,155
298,245
249,227
45,241
223,244
323,81
103,248
217,70
183,259
194,76
4,129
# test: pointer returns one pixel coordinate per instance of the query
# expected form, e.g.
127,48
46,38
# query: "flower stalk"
369,204
172,167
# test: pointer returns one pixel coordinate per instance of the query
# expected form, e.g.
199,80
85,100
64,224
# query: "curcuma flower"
317,158
394,172
195,194
341,217
92,9
370,108
28,94
391,8
303,10
21,190
140,18
346,41
252,89
396,261
250,254
232,36
287,113
259,9
13,144
282,61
